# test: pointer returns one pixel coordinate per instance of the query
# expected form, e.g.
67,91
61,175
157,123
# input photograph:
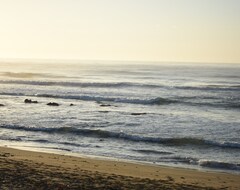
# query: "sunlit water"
174,114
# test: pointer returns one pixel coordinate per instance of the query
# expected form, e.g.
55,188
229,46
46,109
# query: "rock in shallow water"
29,101
52,104
105,105
138,113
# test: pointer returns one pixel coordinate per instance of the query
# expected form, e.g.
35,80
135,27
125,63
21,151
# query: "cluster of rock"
29,101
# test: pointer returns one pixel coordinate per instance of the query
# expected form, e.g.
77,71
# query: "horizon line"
109,60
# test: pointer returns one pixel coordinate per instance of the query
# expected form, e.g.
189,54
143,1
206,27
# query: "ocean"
174,114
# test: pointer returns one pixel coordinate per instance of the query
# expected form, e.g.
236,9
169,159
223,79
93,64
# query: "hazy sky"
155,30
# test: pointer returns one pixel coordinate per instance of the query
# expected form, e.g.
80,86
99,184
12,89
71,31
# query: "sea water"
177,114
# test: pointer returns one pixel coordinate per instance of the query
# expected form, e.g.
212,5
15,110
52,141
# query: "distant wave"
180,141
221,87
80,84
28,75
211,87
154,101
190,101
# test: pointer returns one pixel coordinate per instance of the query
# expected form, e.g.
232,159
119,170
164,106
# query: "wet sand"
20,169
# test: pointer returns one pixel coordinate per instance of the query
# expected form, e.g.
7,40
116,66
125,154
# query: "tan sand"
20,169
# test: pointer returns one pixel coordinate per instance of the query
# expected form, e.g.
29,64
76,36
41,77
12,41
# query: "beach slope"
20,169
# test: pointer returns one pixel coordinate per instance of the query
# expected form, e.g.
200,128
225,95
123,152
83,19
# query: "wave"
218,165
178,141
220,87
28,75
80,84
188,101
179,159
203,163
211,87
145,151
154,101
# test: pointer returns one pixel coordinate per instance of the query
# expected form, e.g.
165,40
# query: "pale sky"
144,30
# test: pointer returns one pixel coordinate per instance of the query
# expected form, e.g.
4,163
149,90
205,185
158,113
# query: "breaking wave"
80,84
190,101
203,163
178,141
218,165
220,87
154,101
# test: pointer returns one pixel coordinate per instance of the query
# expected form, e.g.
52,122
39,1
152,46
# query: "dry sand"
21,169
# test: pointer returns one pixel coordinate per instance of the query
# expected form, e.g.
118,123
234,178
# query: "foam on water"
171,114
129,137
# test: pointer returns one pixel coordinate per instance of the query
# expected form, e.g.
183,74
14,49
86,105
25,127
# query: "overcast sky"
147,30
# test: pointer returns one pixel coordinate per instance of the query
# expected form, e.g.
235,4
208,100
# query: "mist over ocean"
176,114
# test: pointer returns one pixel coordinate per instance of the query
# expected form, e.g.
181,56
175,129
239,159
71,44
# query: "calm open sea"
185,115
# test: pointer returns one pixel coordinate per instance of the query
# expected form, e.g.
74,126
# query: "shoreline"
65,152
24,169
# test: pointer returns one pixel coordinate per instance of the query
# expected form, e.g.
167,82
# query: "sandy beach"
20,169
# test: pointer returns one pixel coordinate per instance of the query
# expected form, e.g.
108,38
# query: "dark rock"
52,104
71,104
103,111
1,105
138,113
105,105
29,101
